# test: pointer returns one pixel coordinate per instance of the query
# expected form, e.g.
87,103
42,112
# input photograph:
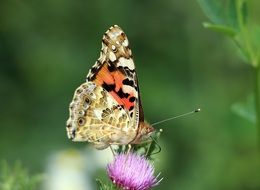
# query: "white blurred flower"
72,169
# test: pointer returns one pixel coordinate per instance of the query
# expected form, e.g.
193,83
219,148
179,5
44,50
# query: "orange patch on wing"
110,78
119,77
127,103
104,75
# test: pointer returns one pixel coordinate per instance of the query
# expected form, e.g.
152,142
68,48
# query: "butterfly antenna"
112,150
178,116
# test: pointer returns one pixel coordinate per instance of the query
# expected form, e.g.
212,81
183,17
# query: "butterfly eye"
81,121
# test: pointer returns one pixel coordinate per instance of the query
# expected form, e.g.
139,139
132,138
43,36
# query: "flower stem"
257,101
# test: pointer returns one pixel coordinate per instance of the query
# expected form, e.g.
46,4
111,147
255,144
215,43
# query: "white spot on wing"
127,63
112,56
113,47
98,113
125,43
129,89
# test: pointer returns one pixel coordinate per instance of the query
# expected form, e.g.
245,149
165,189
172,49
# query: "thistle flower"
132,172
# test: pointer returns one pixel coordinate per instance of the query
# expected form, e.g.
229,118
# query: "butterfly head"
144,132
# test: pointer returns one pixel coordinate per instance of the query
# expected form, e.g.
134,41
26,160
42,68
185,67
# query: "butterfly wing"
96,117
111,113
116,72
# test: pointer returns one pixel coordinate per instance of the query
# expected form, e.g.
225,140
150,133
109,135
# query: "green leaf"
244,11
246,109
231,15
249,45
225,12
221,28
213,10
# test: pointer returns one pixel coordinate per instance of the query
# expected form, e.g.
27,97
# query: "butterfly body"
106,109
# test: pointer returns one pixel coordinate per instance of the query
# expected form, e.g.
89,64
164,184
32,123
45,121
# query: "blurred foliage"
245,110
47,47
103,186
17,178
224,14
231,19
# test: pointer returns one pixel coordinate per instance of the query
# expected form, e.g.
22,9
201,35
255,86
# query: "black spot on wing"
73,134
127,68
94,70
121,94
108,87
111,66
129,72
120,107
131,108
128,82
79,91
132,99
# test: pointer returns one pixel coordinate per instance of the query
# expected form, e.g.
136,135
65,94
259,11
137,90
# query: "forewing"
115,72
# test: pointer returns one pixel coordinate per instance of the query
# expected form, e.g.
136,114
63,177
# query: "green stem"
246,38
257,101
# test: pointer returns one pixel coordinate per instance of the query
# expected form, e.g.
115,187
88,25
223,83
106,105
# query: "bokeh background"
46,50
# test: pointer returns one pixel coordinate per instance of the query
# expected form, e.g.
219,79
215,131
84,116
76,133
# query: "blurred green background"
47,48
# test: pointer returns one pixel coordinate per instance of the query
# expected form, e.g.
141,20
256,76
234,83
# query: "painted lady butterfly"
107,108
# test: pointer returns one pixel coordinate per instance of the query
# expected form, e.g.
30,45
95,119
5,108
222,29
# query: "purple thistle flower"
132,172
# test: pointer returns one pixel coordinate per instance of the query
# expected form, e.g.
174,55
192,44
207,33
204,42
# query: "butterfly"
106,109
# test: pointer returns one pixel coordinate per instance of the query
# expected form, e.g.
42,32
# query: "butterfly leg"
129,146
153,144
112,150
